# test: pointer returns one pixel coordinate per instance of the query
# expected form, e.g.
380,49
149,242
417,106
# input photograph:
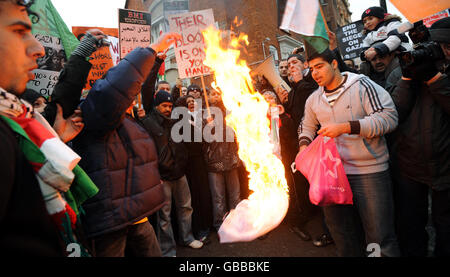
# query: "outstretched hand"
165,41
69,128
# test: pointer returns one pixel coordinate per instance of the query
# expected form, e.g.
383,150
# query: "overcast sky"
103,13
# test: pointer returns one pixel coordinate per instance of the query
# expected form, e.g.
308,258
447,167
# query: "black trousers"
137,240
411,204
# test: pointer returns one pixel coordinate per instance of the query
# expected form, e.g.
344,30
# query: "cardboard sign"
134,30
190,50
105,57
350,38
419,9
47,74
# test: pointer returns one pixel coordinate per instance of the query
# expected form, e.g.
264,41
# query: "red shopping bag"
321,164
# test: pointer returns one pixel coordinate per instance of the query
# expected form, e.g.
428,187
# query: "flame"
267,205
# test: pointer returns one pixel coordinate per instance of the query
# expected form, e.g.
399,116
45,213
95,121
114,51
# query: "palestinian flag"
304,17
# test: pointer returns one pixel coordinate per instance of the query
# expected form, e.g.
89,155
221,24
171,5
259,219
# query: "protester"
34,184
121,159
195,91
283,70
172,161
36,99
222,162
196,173
380,26
372,115
421,159
384,69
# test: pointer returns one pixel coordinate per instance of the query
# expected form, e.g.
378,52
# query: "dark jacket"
117,153
26,228
148,87
221,156
387,79
172,156
423,135
67,91
295,106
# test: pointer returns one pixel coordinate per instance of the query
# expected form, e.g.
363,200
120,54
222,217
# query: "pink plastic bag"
321,164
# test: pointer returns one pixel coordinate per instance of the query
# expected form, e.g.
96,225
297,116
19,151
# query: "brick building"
261,20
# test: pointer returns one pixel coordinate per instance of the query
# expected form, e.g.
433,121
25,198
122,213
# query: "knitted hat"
374,11
298,56
162,96
440,30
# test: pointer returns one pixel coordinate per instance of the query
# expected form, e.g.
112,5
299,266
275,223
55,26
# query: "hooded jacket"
371,112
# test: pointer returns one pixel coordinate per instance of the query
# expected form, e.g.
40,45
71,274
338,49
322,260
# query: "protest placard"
47,74
105,57
350,38
190,50
134,30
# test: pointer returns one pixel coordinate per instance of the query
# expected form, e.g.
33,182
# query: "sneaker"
195,244
323,240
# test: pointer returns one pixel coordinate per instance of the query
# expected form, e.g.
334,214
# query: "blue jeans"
225,188
178,190
369,220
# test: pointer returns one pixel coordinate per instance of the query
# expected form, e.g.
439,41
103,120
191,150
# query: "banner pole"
206,96
324,19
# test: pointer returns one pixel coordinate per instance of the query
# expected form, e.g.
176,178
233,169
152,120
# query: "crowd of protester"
390,120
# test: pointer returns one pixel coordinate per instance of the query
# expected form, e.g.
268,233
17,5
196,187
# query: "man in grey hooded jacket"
356,112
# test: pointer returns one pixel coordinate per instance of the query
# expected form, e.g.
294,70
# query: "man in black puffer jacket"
172,161
120,157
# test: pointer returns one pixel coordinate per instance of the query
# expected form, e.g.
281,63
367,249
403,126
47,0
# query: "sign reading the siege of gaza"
134,30
190,50
350,38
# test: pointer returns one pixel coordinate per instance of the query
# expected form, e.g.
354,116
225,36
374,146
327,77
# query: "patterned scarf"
64,185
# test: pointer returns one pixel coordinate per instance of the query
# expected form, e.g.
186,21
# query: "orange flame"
267,205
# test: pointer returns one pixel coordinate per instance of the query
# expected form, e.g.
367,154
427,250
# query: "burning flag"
268,204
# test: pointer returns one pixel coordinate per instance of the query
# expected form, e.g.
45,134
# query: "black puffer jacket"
422,141
117,153
172,156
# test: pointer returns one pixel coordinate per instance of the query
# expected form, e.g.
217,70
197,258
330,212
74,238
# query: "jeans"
137,240
369,220
411,198
225,188
179,191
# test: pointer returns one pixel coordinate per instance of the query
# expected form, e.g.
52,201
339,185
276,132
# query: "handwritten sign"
190,49
350,38
134,30
49,67
105,57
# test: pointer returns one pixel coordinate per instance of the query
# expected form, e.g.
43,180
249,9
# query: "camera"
424,51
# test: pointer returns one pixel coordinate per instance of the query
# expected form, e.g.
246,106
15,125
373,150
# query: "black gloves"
420,71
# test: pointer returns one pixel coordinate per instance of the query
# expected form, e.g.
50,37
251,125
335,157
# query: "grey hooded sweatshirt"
371,113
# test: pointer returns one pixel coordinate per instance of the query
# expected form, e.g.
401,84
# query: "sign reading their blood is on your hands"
190,49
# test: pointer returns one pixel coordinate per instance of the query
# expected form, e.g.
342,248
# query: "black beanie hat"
374,11
440,30
298,56
162,96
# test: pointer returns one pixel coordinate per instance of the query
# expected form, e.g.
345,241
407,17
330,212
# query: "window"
274,52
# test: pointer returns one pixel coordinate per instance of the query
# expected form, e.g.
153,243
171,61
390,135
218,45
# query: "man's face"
283,68
380,64
322,71
19,49
163,86
165,108
349,63
295,64
183,91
